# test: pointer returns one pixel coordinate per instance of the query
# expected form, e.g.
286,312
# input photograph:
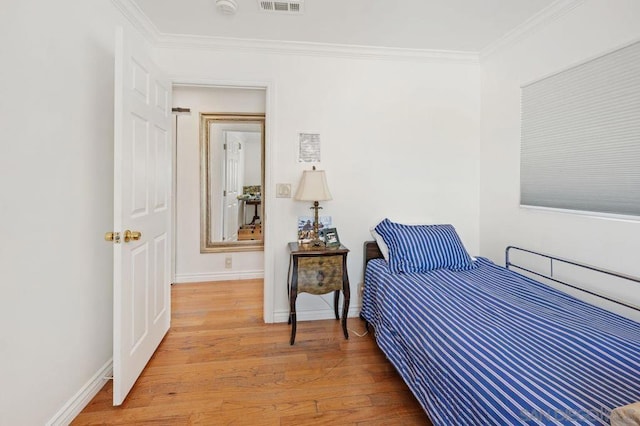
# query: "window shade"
580,147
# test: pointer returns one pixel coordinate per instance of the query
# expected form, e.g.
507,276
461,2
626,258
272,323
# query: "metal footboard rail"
550,276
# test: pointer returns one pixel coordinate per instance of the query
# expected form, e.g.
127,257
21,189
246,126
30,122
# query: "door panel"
160,289
139,148
231,187
142,185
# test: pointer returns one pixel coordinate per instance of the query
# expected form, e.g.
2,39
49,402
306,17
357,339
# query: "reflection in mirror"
231,182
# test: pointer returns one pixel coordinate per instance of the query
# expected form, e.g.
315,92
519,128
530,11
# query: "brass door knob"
132,235
109,236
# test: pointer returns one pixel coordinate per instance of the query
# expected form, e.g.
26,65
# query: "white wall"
399,138
252,147
252,171
592,28
56,181
191,265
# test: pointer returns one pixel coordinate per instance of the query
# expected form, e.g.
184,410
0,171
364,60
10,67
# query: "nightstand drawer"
319,274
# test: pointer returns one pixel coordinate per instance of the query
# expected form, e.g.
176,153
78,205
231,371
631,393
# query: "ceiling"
452,25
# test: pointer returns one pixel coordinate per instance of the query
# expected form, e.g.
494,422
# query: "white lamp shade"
313,186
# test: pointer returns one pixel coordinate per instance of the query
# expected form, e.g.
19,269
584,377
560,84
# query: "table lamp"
313,187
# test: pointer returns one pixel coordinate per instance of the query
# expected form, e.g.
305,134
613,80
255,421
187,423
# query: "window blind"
580,141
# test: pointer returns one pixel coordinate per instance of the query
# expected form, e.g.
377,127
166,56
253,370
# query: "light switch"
283,190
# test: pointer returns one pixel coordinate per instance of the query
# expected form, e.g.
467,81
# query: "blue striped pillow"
422,248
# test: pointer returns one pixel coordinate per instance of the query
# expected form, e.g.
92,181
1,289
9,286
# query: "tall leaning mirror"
231,182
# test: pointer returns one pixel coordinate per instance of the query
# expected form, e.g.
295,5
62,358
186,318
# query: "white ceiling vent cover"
291,6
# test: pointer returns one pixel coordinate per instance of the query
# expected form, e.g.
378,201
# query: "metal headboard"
508,264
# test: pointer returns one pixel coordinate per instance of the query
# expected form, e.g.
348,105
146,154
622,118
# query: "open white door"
142,204
231,187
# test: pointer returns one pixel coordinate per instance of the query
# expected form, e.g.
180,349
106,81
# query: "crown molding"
180,41
175,41
224,44
547,15
138,19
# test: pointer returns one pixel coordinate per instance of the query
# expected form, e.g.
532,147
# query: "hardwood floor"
221,365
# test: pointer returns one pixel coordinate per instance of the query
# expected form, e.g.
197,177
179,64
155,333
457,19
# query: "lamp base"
309,245
317,242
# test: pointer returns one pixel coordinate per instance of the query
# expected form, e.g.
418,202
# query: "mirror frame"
206,120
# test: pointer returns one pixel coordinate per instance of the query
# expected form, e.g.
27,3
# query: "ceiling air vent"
291,6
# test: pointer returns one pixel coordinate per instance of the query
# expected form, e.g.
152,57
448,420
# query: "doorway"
191,264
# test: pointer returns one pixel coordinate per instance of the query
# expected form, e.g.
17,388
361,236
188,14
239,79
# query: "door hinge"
239,146
224,146
224,193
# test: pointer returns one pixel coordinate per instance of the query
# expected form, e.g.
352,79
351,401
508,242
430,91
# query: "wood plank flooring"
221,365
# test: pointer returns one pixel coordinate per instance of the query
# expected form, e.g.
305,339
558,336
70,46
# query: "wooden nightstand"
318,270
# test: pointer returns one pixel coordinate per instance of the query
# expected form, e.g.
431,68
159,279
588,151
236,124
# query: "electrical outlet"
228,262
283,190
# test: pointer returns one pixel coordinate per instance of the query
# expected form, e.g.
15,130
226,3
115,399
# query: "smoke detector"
294,7
227,7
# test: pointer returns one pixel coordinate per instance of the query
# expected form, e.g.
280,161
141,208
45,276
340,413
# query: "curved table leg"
289,287
293,294
346,290
292,319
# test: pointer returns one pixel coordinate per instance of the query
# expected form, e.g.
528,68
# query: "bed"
484,345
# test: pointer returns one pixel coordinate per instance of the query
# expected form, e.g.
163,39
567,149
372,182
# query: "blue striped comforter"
489,346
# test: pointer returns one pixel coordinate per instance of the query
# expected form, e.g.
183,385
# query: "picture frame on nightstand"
305,227
330,237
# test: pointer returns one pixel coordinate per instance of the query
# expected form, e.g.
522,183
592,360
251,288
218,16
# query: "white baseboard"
219,276
76,404
318,314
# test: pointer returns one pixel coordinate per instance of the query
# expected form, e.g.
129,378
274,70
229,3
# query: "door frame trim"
269,136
